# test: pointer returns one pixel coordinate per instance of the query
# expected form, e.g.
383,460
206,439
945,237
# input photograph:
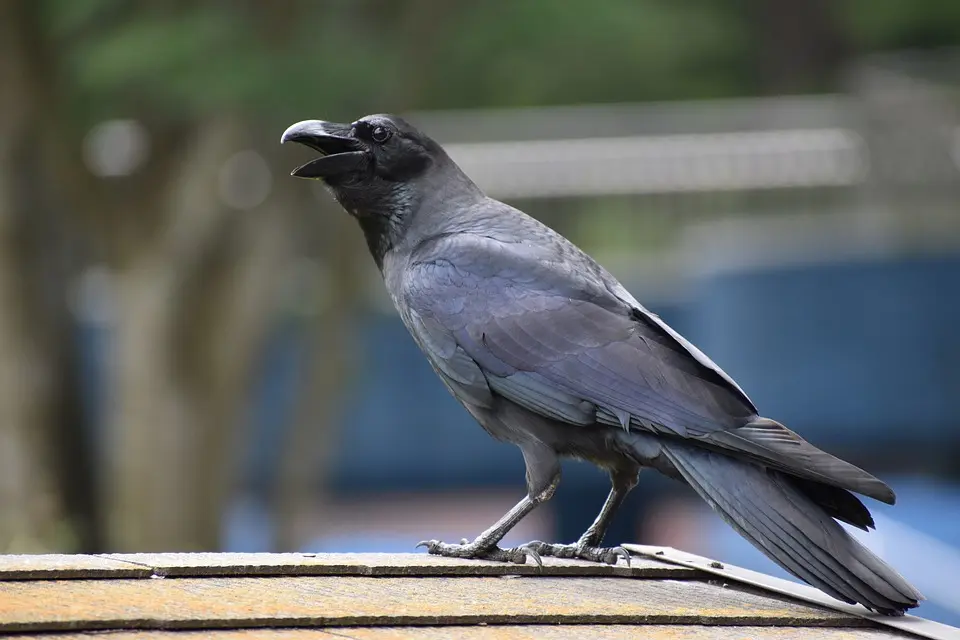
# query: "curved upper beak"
342,152
316,132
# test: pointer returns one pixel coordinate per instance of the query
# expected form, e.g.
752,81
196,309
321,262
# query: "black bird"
549,351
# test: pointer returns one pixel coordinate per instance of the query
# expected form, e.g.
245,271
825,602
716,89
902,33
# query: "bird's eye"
380,134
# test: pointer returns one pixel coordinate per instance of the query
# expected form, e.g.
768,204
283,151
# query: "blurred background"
195,349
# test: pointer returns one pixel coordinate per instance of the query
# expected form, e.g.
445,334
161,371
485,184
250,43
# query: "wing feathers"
533,392
562,343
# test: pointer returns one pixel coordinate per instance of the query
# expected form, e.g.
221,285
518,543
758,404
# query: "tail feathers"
774,445
838,503
767,508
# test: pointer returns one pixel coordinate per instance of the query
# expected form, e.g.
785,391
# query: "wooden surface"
359,601
379,596
145,565
37,567
498,632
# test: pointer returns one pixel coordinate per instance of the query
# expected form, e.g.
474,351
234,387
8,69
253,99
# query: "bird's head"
366,162
382,170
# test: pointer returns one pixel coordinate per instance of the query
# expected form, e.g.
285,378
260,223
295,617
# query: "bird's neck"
400,217
381,233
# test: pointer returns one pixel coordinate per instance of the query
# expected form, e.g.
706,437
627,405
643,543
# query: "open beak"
340,151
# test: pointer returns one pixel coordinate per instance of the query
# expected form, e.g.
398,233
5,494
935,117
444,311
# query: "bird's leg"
588,546
485,545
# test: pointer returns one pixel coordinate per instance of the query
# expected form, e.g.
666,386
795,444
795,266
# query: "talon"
531,553
623,553
611,556
427,544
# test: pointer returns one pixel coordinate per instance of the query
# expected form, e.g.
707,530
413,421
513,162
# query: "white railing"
656,148
747,160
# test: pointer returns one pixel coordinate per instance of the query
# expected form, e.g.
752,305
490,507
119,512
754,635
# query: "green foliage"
177,59
531,52
114,60
895,24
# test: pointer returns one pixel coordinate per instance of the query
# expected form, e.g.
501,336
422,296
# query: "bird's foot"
608,555
475,549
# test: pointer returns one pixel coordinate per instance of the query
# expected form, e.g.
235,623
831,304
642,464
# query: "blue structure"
858,356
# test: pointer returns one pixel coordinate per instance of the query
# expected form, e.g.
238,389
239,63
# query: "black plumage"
548,351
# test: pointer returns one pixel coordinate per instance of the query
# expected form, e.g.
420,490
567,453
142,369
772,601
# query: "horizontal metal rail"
748,160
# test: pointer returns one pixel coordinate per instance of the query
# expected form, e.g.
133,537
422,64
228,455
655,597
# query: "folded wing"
565,343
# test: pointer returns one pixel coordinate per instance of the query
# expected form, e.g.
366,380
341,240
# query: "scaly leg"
485,545
588,546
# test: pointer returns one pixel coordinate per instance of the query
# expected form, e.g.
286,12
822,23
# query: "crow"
548,351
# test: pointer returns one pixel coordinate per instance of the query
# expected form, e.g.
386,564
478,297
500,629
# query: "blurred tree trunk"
196,287
311,439
195,299
46,485
800,44
196,291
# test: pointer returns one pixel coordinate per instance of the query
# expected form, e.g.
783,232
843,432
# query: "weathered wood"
393,596
384,564
60,567
196,603
500,632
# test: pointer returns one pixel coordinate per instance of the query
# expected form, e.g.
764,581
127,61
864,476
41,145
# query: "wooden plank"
61,566
194,603
385,564
499,632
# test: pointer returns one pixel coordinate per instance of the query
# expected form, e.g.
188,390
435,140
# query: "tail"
773,512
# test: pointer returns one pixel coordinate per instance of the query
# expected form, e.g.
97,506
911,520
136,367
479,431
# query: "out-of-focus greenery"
181,58
894,24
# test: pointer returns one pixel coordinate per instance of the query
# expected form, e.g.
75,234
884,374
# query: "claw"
466,549
623,553
530,552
